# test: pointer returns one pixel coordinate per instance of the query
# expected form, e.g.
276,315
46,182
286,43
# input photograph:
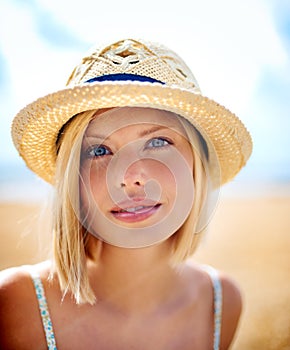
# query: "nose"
134,178
135,183
128,171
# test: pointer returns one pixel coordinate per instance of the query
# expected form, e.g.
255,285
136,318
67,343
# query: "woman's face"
136,184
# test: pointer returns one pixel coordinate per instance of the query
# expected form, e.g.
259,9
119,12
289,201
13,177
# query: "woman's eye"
158,142
98,151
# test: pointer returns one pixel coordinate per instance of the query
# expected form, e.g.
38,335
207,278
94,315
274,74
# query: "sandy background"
249,238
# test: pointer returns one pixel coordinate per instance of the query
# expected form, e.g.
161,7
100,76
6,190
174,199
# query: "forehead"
129,117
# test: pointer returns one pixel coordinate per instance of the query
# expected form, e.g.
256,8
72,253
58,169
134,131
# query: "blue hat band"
124,77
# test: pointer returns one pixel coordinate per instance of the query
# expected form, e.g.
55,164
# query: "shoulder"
19,315
231,310
15,280
231,299
231,295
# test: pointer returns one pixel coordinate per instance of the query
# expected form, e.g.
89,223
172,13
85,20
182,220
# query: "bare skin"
140,305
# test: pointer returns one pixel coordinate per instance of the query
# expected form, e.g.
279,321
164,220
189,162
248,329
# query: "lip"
135,210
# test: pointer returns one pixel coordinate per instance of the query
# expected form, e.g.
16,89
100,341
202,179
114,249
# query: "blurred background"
239,52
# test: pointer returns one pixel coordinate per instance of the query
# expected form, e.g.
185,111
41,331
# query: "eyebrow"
152,130
140,134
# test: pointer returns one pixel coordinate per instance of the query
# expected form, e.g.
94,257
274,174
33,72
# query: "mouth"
135,213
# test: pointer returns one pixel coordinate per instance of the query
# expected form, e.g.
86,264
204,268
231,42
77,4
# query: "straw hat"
129,73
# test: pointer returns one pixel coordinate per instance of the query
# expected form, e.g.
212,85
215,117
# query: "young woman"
134,152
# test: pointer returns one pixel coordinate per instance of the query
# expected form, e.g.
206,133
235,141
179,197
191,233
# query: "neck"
133,280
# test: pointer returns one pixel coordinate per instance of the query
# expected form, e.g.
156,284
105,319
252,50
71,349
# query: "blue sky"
238,50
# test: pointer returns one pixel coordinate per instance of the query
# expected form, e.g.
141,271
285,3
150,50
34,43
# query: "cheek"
176,173
165,177
93,183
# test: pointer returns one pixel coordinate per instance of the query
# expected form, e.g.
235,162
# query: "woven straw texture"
36,127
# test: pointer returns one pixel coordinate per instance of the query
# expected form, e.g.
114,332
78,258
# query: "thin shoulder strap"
43,309
218,301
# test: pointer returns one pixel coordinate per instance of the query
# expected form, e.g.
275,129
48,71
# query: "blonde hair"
187,238
71,238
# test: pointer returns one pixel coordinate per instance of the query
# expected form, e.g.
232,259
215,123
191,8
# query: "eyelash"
95,148
169,142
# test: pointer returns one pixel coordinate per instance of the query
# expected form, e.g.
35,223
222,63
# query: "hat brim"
36,127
